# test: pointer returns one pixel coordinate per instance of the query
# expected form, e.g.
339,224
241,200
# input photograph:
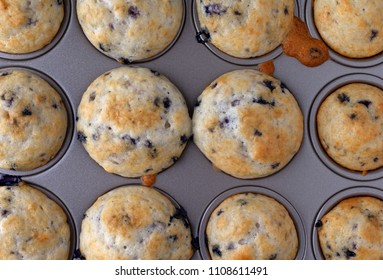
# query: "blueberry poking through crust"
215,9
216,251
81,137
133,12
26,112
342,97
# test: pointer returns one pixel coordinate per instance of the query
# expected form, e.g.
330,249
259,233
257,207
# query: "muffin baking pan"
70,63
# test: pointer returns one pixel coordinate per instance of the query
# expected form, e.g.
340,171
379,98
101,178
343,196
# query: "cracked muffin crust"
133,122
350,126
32,226
353,230
135,223
351,28
29,25
130,30
33,121
251,226
246,28
247,124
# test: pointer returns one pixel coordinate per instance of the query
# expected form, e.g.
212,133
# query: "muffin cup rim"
251,61
322,94
48,47
173,201
70,123
331,202
143,60
70,220
256,189
335,56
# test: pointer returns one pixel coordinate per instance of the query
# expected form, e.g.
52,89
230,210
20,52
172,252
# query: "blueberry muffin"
351,28
135,223
251,226
33,121
130,30
29,25
245,28
353,230
133,122
32,226
247,124
350,126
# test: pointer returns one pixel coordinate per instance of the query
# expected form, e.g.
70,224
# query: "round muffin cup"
71,223
347,61
330,203
51,45
161,53
203,38
313,132
178,207
299,226
69,132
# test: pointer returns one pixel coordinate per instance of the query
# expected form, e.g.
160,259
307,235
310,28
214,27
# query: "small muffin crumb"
149,180
267,67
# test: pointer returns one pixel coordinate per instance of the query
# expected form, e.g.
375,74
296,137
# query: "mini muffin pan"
306,186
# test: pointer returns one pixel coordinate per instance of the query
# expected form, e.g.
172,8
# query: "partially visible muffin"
350,126
133,122
247,124
246,28
33,120
32,226
351,28
130,30
134,223
249,226
353,230
29,25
